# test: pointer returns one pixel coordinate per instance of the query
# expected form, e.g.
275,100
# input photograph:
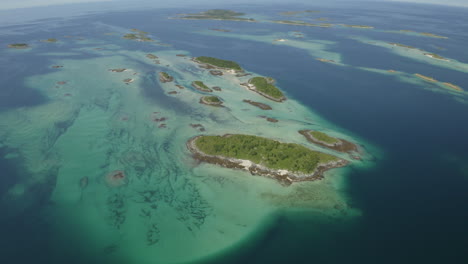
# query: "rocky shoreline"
284,177
205,102
165,77
258,104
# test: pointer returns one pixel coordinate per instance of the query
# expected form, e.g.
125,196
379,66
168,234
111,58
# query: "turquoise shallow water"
60,141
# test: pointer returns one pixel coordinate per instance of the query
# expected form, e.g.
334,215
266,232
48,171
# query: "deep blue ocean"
414,201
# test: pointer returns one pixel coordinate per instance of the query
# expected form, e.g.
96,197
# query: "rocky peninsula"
284,162
329,142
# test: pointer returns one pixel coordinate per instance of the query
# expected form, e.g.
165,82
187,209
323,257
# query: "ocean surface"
64,130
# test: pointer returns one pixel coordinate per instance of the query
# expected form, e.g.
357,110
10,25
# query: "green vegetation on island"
211,100
265,86
218,14
324,140
266,152
324,137
18,46
226,64
201,86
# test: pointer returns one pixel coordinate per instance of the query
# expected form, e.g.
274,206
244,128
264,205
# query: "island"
118,70
211,63
265,87
301,23
325,60
18,46
164,77
258,104
211,100
216,73
50,40
285,162
357,26
435,56
324,140
402,45
453,86
426,78
138,35
199,85
423,34
218,14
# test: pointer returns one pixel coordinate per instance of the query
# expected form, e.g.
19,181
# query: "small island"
138,35
164,77
435,56
285,162
211,100
18,46
327,141
426,78
402,45
50,40
199,85
218,14
211,63
326,60
357,26
301,23
453,86
258,104
265,87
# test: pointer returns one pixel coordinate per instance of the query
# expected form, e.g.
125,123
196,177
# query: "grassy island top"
211,99
18,45
267,152
218,14
265,85
219,63
324,137
201,86
166,75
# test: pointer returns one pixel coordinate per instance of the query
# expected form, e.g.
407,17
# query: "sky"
11,4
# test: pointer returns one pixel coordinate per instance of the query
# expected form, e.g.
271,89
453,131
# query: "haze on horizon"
13,4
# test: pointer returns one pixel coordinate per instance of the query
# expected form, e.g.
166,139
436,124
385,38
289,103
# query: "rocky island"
199,85
453,86
258,104
265,86
327,141
211,100
285,162
218,14
164,77
18,46
301,23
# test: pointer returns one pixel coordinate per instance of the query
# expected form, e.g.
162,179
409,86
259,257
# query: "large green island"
215,63
265,86
285,162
